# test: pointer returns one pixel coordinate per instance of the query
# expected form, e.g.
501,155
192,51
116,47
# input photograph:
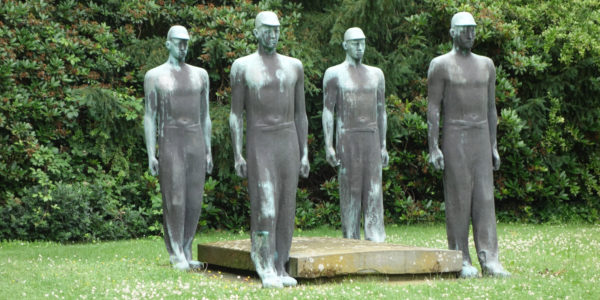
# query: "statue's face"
464,36
355,48
177,48
267,36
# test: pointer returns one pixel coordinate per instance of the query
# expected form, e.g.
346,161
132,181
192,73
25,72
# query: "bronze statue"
176,96
463,84
356,93
269,87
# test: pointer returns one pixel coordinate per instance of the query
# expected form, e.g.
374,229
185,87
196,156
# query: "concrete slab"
312,257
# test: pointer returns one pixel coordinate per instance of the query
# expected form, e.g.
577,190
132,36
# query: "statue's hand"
240,167
331,157
385,158
437,159
209,163
496,159
153,165
304,167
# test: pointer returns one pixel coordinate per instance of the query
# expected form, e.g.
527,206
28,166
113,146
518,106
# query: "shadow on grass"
251,277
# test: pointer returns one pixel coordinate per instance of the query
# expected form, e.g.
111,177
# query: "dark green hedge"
72,158
547,56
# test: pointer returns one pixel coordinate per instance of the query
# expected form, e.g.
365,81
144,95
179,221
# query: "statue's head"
354,43
462,30
266,30
177,42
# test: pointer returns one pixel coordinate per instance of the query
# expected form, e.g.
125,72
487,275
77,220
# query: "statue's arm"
205,119
330,95
150,99
492,114
236,120
301,121
435,90
382,118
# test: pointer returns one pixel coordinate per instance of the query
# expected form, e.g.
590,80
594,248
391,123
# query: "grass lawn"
547,262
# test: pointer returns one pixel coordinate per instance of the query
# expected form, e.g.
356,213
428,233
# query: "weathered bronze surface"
267,91
354,99
461,93
178,117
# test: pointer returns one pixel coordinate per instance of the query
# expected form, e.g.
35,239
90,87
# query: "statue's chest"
357,80
174,85
468,74
358,90
262,76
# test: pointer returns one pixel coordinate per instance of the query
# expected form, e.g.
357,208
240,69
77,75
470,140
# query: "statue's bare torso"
269,87
178,93
466,82
357,88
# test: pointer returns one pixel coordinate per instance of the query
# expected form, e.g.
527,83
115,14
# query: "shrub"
547,59
71,86
71,89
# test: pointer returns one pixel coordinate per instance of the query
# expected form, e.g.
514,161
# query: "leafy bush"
71,106
69,212
547,59
71,115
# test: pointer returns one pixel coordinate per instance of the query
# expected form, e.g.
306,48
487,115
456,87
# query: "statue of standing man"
356,93
269,87
464,84
176,96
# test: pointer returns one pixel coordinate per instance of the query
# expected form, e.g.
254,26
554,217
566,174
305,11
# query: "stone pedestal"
312,257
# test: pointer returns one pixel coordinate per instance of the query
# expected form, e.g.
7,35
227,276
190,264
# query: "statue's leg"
288,161
172,184
195,174
349,178
263,235
373,193
458,186
285,226
484,217
263,213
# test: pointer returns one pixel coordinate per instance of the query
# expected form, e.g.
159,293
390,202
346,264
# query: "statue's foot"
288,280
181,266
494,269
272,282
468,271
197,265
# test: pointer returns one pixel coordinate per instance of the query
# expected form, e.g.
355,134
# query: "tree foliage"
547,59
72,157
72,105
